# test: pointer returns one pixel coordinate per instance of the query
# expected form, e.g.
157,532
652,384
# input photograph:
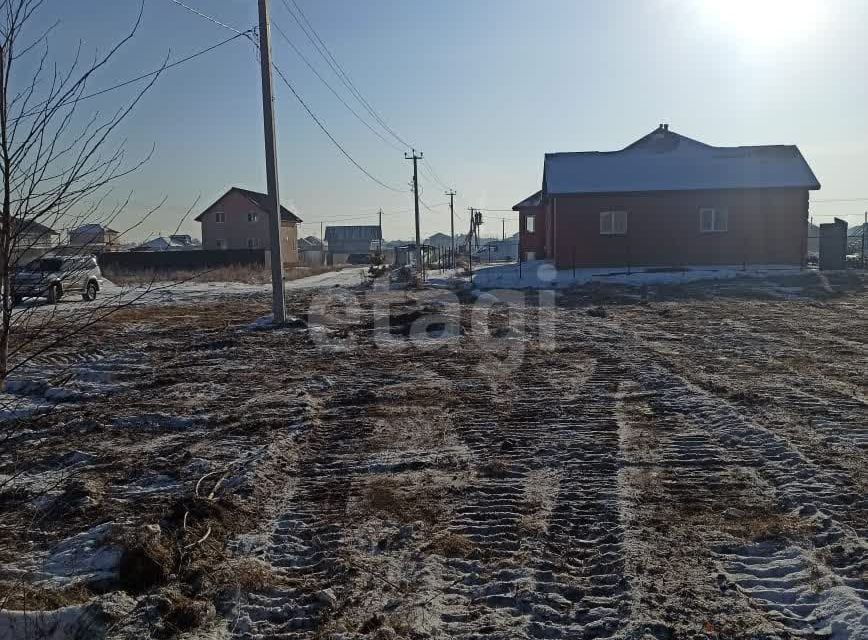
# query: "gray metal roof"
352,232
666,161
530,202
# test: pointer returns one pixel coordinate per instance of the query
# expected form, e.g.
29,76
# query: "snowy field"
163,293
690,463
539,274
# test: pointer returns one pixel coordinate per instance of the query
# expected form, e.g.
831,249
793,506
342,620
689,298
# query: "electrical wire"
310,66
433,174
297,97
336,67
329,135
207,17
125,83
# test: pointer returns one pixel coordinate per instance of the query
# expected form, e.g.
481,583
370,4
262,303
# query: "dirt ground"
671,462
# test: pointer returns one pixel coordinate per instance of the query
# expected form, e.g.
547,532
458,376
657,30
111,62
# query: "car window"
45,265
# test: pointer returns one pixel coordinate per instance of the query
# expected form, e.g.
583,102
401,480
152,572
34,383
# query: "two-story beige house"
239,220
94,238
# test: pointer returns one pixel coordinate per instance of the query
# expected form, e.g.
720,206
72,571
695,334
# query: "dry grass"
247,274
452,545
403,501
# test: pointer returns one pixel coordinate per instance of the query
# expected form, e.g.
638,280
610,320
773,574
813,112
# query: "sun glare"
765,23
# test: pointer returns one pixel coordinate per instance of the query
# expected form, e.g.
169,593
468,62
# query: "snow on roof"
666,161
92,228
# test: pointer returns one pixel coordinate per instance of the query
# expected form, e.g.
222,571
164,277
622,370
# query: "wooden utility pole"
451,194
380,224
412,156
278,304
322,243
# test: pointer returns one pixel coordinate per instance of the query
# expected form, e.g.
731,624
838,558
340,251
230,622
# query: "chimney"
665,127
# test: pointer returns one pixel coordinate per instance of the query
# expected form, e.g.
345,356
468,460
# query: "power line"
363,216
332,89
207,17
297,97
329,135
120,85
336,67
433,174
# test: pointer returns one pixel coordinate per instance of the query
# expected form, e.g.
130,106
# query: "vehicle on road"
52,277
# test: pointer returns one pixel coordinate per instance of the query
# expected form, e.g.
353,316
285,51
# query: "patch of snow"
85,557
539,274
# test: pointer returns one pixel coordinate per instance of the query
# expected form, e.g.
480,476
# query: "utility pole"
322,243
503,229
412,156
278,304
864,239
380,218
451,194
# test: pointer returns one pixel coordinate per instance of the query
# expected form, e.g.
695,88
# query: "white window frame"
252,243
613,223
530,223
719,219
252,217
220,216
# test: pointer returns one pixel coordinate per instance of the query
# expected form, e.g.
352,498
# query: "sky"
483,88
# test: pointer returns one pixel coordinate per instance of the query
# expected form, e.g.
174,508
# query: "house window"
221,243
713,220
220,216
529,255
252,217
613,223
529,223
252,243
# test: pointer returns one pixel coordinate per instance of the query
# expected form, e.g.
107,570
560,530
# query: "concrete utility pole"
412,156
451,194
278,304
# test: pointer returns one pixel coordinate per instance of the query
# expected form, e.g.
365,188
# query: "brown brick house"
239,220
668,200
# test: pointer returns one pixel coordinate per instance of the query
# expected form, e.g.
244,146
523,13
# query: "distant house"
345,241
499,250
239,220
175,242
30,234
669,200
441,241
310,251
94,237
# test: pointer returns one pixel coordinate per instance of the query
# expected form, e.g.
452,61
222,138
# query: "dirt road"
690,463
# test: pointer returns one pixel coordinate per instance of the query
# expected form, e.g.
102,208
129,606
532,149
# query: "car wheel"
53,294
90,292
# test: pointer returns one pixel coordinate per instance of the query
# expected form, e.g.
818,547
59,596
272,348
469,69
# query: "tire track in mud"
306,544
813,590
561,577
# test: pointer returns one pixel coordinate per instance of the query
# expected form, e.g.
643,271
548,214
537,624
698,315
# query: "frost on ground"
689,462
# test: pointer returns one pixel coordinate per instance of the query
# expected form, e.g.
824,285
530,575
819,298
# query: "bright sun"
765,22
